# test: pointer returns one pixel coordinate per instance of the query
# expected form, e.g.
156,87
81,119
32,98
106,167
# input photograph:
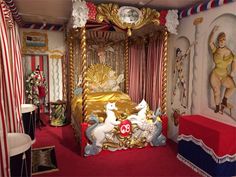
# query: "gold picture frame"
35,42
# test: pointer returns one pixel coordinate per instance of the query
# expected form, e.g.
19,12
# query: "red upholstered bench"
207,145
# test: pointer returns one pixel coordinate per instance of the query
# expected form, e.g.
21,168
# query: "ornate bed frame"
112,13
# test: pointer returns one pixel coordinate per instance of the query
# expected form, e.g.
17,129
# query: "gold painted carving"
125,142
198,21
55,56
56,51
110,12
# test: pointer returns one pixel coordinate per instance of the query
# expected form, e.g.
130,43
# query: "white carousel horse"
97,132
141,117
151,131
158,139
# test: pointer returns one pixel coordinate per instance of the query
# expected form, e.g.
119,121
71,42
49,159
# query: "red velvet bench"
207,146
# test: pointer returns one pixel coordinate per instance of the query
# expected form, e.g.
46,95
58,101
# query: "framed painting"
35,42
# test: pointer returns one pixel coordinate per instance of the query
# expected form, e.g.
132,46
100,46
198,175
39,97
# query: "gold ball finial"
129,32
198,21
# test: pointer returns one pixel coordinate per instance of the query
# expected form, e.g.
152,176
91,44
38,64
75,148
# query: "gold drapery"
97,101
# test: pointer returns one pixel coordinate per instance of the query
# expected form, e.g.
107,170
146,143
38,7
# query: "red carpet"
146,162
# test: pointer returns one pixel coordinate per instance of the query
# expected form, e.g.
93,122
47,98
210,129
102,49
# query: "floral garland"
92,10
170,20
33,82
79,13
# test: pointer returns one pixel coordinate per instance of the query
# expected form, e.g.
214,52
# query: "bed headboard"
102,78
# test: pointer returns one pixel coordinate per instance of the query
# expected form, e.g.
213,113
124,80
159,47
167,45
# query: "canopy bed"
102,112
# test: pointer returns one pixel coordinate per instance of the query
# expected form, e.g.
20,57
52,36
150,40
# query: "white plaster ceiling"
58,11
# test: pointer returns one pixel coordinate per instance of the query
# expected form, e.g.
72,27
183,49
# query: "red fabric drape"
11,84
145,70
154,72
137,70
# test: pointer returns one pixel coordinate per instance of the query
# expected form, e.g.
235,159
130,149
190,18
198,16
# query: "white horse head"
111,106
141,105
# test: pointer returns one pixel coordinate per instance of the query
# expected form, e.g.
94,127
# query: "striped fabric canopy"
11,84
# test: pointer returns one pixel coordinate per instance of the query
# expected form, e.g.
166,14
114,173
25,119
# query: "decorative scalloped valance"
124,17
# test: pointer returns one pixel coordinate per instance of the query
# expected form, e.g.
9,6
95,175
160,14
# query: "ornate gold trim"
198,21
110,12
39,37
164,75
125,142
55,56
56,51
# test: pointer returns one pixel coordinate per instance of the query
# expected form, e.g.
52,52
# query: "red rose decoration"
125,127
92,10
163,14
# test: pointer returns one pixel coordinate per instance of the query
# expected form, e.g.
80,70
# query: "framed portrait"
35,42
129,14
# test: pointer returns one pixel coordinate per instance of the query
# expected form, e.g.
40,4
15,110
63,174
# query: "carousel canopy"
34,17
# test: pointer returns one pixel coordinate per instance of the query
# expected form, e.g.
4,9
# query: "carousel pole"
71,68
127,65
84,73
164,75
64,80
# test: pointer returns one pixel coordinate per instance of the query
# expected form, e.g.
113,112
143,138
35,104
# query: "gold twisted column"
126,56
71,68
84,74
164,75
64,80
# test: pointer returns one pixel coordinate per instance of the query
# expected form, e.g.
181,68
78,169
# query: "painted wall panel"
199,64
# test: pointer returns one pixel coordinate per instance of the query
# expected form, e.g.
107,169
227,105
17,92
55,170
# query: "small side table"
58,113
